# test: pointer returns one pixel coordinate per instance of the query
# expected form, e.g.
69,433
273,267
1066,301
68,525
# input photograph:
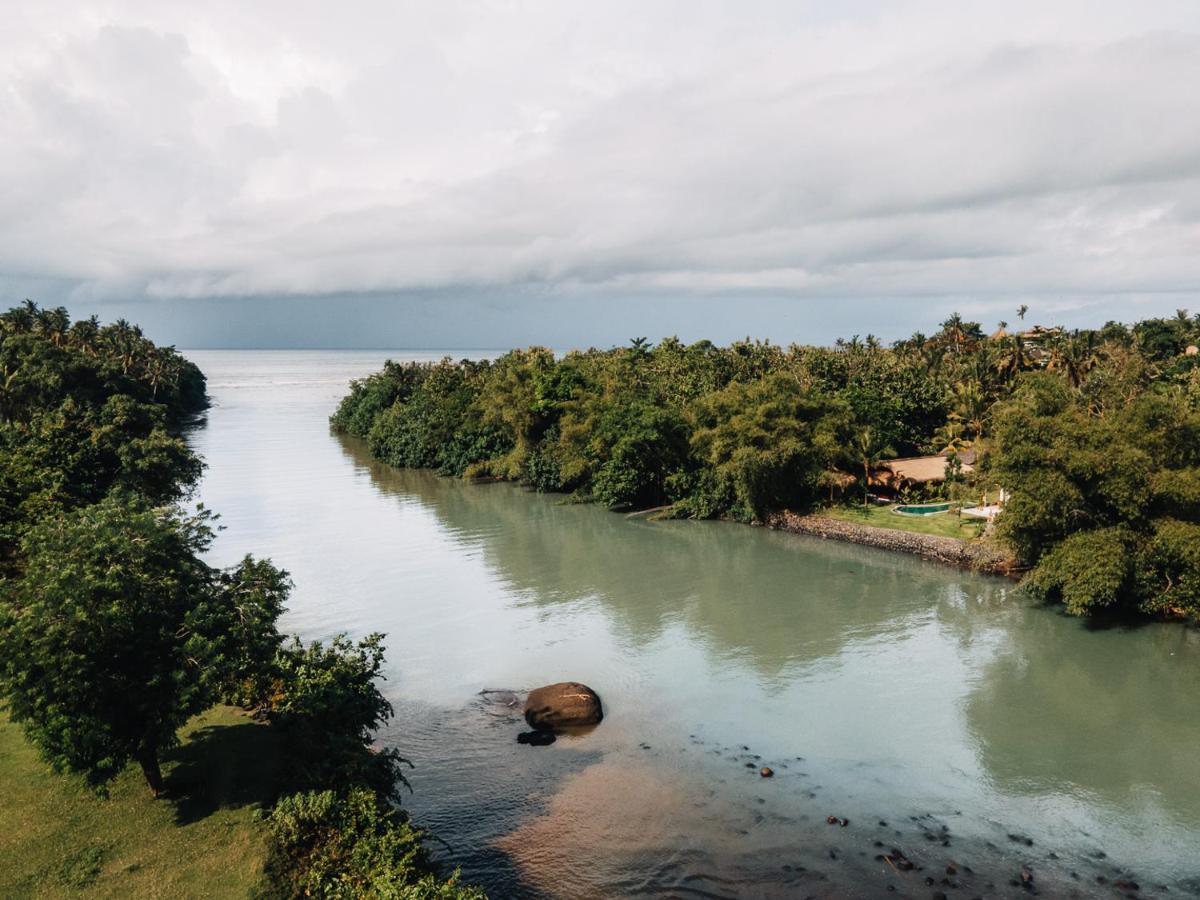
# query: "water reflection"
773,599
1107,716
907,688
972,697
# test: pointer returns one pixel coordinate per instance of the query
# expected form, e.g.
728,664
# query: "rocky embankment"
978,556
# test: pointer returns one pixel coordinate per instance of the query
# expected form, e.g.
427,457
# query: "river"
939,713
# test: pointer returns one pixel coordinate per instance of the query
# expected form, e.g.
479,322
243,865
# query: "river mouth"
879,688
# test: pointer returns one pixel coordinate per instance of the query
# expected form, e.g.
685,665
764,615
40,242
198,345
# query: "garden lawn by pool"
946,525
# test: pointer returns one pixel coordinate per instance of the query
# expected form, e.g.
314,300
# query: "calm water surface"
880,688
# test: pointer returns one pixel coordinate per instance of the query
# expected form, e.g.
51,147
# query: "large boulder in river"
564,705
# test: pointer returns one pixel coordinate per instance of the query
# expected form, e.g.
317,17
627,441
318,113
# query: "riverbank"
948,524
979,555
58,838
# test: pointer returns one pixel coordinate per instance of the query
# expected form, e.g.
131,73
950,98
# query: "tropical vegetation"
115,632
1091,431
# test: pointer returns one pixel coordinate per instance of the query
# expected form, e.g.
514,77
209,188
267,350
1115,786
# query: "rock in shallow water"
536,738
568,704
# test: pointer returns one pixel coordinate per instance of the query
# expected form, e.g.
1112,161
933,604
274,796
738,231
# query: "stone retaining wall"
978,556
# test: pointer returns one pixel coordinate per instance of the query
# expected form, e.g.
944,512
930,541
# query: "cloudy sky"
478,174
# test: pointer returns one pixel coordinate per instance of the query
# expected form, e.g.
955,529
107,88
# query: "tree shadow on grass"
223,767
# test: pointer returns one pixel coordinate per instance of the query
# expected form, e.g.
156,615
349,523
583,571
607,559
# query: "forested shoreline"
115,632
1095,435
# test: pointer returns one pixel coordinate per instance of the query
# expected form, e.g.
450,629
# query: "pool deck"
986,513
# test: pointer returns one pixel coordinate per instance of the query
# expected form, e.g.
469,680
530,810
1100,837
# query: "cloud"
922,149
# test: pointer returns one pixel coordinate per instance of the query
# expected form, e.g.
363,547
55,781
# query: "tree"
250,598
767,444
329,708
1012,360
117,634
867,450
1105,505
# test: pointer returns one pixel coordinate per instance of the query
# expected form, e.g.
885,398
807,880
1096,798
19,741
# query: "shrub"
350,845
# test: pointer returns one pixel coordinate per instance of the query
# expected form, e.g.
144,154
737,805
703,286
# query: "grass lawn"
57,839
946,525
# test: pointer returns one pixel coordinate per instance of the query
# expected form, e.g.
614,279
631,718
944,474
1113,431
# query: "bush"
350,845
328,708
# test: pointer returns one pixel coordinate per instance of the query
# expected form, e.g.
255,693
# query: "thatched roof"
915,470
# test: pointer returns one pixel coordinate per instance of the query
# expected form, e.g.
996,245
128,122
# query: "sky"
491,174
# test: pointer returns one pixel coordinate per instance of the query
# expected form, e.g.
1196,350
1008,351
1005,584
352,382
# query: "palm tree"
85,333
954,332
971,408
54,323
951,437
21,319
1074,356
1013,359
1021,310
868,449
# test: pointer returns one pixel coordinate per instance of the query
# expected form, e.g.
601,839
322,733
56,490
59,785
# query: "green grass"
945,525
58,839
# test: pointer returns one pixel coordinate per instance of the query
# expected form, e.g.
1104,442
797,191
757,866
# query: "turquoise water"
880,688
929,509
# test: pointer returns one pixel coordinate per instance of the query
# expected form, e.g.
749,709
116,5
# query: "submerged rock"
568,704
536,738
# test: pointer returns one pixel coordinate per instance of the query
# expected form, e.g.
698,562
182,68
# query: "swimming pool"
926,509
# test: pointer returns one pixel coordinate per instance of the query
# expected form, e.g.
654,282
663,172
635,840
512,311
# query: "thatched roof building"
895,473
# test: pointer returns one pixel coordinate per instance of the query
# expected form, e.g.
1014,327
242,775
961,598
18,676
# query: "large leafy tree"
1105,507
118,632
767,443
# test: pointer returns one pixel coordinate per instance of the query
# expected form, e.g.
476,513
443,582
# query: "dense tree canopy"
85,410
118,633
743,430
329,707
114,631
1105,507
111,627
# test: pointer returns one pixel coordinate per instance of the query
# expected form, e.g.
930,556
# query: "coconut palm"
53,324
1013,359
1074,356
952,436
971,406
868,449
20,319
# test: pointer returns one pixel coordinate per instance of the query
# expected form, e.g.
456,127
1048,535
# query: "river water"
939,713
